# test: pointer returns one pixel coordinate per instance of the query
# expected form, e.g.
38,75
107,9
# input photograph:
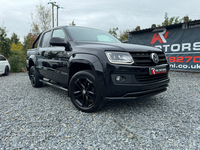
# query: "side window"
59,33
2,58
46,38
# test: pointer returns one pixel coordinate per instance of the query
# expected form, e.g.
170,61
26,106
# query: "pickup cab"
95,67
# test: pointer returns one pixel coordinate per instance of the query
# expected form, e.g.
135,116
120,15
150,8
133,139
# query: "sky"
15,15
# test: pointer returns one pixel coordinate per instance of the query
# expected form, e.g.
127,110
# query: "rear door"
43,55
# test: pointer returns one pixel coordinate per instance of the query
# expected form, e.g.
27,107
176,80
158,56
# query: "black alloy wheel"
32,77
35,80
83,92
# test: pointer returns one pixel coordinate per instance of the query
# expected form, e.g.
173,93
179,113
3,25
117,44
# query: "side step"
54,85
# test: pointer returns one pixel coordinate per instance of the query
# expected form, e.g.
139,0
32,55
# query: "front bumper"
141,94
139,83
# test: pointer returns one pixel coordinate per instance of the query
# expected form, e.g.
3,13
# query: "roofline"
168,26
64,26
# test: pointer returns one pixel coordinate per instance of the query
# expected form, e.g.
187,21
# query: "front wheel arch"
6,71
76,67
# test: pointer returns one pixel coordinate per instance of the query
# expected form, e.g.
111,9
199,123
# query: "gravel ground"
44,118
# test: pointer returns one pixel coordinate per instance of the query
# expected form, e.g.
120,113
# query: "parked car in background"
4,66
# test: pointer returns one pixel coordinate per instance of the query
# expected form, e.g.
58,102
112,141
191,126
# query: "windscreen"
91,35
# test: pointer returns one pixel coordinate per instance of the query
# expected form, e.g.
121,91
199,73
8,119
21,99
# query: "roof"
168,26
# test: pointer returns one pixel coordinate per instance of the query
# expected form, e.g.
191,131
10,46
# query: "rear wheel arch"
30,64
34,77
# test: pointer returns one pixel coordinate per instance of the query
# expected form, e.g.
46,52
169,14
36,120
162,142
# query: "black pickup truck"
93,66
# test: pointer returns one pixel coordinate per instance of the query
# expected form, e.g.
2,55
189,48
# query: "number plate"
153,71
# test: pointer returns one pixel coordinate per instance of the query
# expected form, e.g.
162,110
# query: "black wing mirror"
57,41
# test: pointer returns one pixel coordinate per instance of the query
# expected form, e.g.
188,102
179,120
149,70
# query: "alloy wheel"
84,92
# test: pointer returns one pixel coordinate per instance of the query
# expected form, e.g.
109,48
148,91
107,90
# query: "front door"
59,59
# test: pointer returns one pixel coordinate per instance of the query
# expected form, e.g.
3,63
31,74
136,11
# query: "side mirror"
57,41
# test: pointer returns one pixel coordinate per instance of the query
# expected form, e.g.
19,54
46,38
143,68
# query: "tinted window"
92,35
46,39
59,33
2,58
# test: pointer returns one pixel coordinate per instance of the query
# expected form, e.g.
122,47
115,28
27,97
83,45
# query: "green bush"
15,63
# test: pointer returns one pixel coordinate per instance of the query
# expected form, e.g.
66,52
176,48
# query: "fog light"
120,78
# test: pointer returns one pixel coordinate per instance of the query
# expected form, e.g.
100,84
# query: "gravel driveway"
44,118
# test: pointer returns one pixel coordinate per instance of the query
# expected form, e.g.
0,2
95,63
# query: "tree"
137,28
27,44
16,48
166,21
14,38
113,31
124,35
170,21
42,19
186,18
174,20
4,42
16,54
153,26
72,23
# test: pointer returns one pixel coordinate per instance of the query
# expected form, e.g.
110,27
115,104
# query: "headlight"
119,57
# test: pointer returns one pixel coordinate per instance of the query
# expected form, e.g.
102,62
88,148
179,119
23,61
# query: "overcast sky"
15,15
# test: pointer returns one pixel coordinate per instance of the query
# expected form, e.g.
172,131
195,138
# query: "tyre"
7,71
84,93
35,79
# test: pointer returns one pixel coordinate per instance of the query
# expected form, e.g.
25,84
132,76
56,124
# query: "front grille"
143,59
145,78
